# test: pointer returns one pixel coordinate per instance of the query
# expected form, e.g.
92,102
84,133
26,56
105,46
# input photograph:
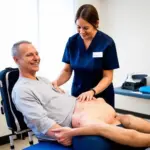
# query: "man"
46,110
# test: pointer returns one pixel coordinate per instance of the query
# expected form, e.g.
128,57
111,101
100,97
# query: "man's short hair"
15,47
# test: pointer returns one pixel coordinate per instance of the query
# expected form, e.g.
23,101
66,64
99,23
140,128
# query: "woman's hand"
62,135
86,96
57,88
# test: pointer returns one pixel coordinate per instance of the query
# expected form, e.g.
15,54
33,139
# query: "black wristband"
94,91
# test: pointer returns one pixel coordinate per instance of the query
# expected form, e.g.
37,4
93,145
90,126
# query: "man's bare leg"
132,122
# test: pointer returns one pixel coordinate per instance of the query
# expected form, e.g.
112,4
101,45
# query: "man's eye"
78,27
29,55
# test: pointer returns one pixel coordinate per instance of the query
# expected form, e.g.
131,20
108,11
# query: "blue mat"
145,89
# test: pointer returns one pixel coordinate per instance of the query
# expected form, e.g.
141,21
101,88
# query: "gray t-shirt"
41,105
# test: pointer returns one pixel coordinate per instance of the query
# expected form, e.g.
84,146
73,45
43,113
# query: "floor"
19,144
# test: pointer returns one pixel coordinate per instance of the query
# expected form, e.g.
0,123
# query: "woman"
92,55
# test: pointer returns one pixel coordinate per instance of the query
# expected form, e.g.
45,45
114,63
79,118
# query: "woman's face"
85,29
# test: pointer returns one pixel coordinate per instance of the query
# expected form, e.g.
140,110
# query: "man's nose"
35,57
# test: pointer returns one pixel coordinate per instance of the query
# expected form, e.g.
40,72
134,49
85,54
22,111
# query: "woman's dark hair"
89,13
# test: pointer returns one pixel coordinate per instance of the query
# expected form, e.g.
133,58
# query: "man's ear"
16,59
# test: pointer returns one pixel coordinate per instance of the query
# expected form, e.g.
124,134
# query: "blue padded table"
83,143
79,143
47,146
137,94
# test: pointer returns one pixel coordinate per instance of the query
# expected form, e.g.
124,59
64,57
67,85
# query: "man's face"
28,59
85,29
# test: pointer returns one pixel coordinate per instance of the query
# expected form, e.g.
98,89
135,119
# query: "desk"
136,103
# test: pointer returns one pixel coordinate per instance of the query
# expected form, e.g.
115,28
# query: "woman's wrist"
93,91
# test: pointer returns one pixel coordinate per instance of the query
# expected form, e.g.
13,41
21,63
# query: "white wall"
18,22
128,22
56,20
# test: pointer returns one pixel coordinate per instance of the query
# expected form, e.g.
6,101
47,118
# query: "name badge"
97,54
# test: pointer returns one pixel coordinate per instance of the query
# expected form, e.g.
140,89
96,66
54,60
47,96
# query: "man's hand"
86,96
62,135
57,88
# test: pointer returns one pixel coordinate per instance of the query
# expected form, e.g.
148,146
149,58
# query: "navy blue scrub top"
88,65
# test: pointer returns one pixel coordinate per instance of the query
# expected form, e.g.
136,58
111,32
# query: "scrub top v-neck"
88,64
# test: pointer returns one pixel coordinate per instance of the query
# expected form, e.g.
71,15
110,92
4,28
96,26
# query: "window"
18,22
56,24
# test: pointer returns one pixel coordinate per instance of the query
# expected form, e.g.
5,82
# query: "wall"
55,27
128,23
18,22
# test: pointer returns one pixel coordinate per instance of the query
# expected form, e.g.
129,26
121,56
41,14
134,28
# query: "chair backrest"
14,118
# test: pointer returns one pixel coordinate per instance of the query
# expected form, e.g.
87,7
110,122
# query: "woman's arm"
64,76
105,81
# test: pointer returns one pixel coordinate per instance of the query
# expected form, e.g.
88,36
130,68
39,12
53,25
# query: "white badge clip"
97,54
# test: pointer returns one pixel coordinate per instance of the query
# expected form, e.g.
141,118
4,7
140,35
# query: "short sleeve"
66,56
110,58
